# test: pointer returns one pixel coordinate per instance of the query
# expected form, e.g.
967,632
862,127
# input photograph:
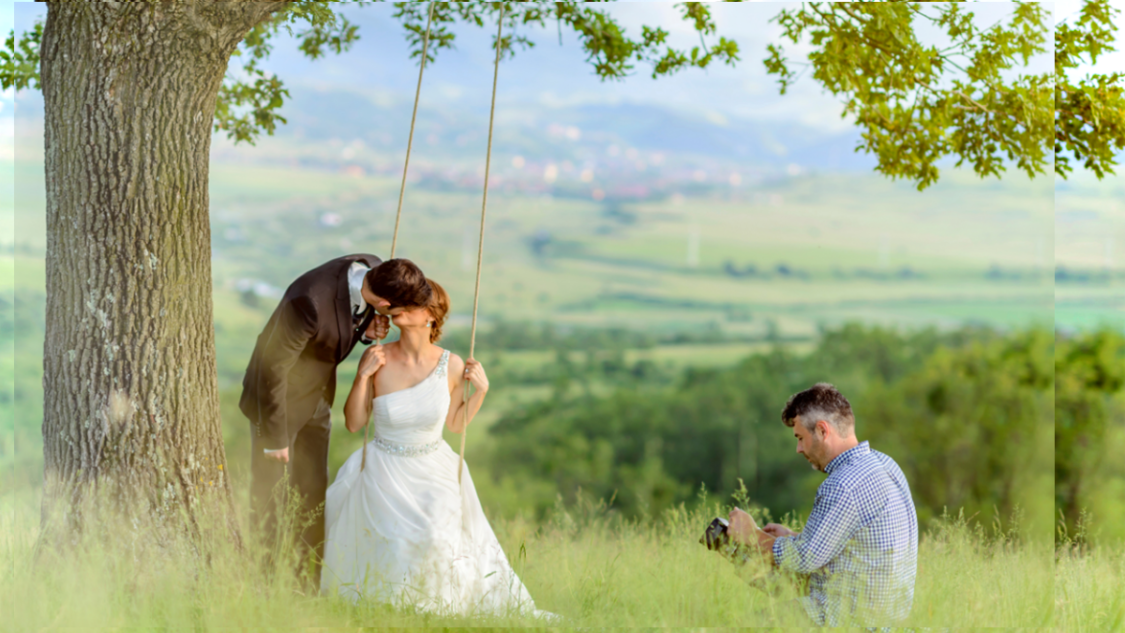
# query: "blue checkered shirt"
860,544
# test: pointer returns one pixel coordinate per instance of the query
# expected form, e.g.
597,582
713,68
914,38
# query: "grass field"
584,565
1088,593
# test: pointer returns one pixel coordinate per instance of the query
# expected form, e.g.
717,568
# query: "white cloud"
449,92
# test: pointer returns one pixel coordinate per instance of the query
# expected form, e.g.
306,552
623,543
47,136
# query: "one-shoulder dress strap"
442,364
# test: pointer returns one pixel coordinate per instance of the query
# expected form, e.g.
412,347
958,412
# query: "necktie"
358,320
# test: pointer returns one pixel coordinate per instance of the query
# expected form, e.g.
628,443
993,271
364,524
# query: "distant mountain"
591,133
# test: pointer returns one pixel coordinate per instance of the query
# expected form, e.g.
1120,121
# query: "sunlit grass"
1089,593
584,564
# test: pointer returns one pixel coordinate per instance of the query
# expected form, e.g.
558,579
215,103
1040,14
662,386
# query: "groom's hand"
281,456
378,328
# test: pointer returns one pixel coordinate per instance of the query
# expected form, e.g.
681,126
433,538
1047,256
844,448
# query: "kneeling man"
859,548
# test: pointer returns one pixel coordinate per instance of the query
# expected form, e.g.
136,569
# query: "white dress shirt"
355,286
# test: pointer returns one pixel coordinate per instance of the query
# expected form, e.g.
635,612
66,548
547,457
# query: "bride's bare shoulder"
456,362
454,369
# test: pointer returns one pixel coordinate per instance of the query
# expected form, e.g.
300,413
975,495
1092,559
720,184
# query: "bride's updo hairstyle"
438,307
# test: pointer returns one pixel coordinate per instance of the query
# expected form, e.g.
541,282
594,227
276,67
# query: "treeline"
967,414
1090,435
501,335
994,272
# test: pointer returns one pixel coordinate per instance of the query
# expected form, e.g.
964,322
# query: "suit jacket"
294,361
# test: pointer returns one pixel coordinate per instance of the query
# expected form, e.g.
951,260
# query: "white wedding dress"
402,531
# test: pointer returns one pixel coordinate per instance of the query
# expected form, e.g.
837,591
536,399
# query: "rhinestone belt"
406,450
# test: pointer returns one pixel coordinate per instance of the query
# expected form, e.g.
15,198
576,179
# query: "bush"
966,414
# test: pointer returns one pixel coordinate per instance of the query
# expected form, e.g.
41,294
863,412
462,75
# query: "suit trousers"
273,484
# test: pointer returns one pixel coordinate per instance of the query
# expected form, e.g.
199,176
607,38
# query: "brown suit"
289,388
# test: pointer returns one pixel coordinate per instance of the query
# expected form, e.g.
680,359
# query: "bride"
400,529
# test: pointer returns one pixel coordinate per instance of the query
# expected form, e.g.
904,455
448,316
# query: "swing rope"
480,244
413,117
402,189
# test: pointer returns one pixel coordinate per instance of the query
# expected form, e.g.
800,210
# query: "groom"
290,383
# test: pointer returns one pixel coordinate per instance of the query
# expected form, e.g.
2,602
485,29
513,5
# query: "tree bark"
130,386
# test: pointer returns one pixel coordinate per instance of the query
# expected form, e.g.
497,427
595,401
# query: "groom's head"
394,285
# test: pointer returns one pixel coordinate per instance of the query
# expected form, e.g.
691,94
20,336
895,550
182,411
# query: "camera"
717,539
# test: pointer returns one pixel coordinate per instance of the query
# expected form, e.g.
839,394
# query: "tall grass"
1090,577
585,564
1090,589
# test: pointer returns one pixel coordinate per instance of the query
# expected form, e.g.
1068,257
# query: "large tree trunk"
130,388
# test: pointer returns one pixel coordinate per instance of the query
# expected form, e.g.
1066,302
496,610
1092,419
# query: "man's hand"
742,527
281,456
777,531
765,545
378,328
743,530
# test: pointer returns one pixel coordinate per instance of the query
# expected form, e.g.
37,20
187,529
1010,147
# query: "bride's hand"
372,360
474,372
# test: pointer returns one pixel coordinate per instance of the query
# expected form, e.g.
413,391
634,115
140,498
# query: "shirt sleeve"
832,522
295,326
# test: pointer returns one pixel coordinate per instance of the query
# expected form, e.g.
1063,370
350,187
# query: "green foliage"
608,48
913,109
249,105
1089,416
19,62
971,426
1090,112
966,415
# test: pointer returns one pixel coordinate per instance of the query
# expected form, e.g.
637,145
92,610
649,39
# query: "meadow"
584,564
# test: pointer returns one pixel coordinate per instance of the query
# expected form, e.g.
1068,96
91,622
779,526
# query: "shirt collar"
355,286
859,449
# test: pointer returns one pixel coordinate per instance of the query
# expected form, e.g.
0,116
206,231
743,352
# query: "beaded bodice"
408,421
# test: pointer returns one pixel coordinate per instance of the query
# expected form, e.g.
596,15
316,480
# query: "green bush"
1090,432
966,414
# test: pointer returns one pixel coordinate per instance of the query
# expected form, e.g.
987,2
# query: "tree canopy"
915,103
1089,112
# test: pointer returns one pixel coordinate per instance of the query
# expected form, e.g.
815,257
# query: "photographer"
859,547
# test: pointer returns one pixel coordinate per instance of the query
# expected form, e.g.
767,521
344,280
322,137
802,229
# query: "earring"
429,324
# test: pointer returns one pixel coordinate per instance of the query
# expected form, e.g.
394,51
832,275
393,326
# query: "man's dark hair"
400,282
820,402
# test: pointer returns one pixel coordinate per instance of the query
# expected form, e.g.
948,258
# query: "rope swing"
483,213
402,189
480,244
